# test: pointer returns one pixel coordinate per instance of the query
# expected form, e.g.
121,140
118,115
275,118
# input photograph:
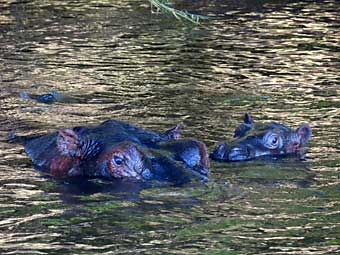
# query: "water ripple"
277,60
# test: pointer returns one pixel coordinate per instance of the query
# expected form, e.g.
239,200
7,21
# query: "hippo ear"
68,142
304,132
242,129
173,133
248,119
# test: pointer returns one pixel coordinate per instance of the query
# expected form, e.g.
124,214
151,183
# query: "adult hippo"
262,139
116,149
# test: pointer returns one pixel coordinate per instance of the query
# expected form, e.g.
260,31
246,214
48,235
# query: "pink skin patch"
203,155
61,165
294,145
68,143
70,153
299,138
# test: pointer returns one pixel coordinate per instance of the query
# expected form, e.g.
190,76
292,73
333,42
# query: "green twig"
163,7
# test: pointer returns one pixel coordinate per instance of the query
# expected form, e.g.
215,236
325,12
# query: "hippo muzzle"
225,152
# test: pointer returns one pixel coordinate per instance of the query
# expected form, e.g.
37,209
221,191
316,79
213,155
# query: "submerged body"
46,98
52,97
257,139
115,149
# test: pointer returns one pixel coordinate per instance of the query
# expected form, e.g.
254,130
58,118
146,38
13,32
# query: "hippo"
52,97
254,140
119,150
46,98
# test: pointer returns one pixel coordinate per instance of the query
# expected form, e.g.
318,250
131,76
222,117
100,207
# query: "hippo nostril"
222,150
295,146
219,152
146,174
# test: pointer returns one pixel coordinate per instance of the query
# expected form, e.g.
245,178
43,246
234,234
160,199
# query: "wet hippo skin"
116,149
254,140
46,98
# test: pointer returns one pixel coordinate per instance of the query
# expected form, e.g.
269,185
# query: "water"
278,60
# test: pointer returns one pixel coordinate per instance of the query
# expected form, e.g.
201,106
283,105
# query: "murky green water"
278,60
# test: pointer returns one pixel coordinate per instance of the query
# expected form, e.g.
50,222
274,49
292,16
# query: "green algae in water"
221,252
333,242
326,104
105,207
204,228
244,100
54,221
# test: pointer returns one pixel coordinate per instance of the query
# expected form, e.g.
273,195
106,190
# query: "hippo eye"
272,141
118,160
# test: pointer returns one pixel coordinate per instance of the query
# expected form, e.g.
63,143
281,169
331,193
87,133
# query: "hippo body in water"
116,149
46,98
262,139
52,97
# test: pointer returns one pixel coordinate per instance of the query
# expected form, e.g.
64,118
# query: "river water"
278,60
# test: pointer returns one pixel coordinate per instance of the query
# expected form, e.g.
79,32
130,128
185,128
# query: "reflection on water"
276,59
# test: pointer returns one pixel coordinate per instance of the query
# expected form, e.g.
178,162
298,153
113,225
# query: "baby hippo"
258,139
116,149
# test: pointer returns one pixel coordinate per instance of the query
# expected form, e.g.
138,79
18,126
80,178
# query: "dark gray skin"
52,97
46,98
115,149
262,139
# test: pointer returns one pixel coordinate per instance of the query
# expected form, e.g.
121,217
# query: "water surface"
278,60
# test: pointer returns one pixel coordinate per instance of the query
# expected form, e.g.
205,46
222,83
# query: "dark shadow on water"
269,171
71,190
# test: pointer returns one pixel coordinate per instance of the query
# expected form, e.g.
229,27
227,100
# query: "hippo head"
256,139
123,160
116,160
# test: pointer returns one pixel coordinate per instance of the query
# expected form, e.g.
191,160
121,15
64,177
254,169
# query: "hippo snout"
220,152
238,154
223,152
